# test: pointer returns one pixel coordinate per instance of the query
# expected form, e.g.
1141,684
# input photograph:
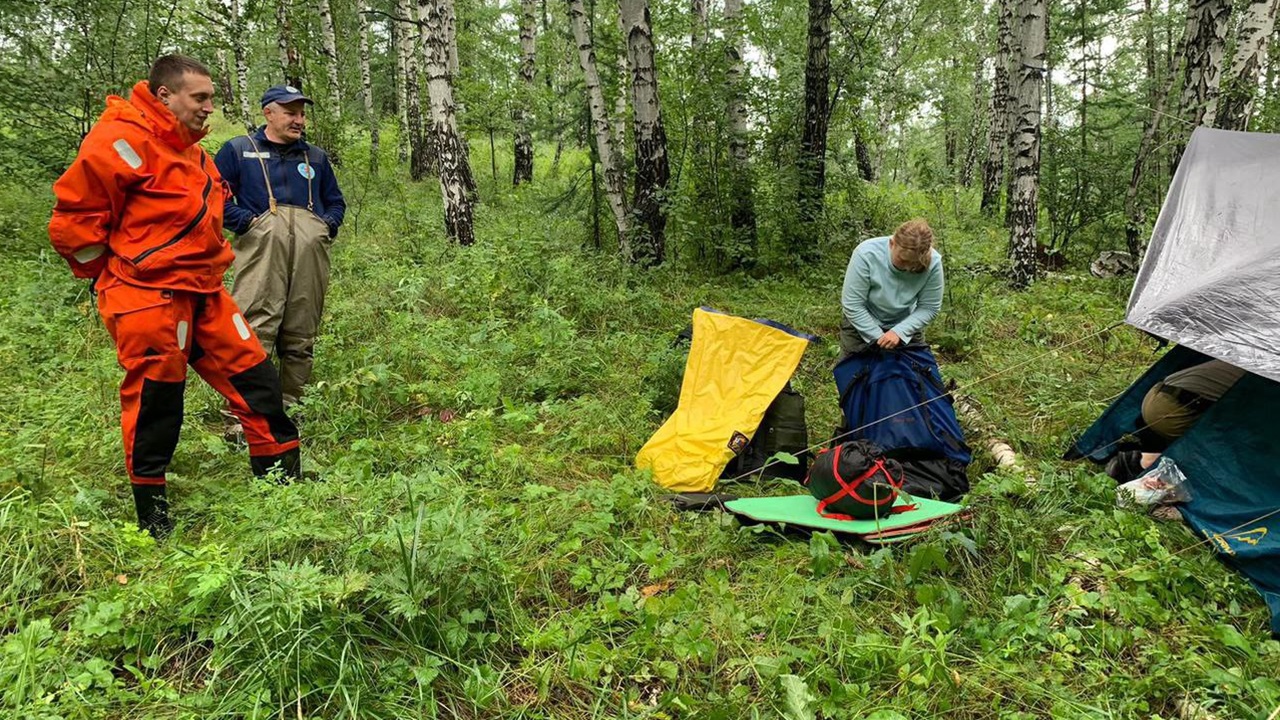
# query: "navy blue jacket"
239,165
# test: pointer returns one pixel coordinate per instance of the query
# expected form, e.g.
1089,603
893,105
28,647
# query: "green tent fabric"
802,511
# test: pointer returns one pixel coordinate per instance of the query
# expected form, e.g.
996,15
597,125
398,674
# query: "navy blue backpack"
896,399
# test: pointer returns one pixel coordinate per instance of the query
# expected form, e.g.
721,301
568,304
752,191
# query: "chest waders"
281,277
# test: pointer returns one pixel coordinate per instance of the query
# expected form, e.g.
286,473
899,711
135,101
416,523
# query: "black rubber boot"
153,510
289,463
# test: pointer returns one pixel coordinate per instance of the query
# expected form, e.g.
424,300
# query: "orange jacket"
142,201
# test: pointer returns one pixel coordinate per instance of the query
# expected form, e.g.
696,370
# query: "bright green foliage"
482,547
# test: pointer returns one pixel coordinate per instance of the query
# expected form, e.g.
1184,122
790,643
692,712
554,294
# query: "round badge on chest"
306,171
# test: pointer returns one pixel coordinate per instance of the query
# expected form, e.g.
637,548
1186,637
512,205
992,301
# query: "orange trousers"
158,333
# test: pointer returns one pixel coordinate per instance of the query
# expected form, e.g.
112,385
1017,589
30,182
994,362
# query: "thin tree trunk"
615,180
742,215
993,166
1205,48
811,163
620,100
329,49
419,153
456,182
366,91
1014,71
950,132
1241,86
239,32
282,36
1082,177
975,127
290,65
523,171
652,168
861,151
1026,158
1135,219
229,107
403,50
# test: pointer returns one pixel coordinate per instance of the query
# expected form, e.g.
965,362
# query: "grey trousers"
282,274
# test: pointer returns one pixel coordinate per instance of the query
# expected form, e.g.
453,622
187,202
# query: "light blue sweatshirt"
878,296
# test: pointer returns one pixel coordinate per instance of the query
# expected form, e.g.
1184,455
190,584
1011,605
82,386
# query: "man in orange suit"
140,212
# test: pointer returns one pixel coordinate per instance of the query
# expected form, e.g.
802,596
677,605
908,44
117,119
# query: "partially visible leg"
260,288
229,358
308,284
151,330
261,284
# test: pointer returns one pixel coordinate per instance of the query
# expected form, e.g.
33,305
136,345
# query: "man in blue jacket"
286,212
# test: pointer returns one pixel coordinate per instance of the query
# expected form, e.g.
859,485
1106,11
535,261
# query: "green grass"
504,559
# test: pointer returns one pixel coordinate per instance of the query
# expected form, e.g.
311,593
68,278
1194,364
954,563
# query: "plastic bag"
1162,484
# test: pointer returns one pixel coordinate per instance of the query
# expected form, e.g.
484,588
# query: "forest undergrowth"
482,546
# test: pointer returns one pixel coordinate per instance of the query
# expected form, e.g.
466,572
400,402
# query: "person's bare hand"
889,340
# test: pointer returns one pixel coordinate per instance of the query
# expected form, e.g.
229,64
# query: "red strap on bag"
850,489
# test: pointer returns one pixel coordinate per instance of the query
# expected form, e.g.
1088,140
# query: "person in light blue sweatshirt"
892,289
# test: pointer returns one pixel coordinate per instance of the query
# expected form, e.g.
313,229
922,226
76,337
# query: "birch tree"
1206,41
1024,201
620,100
812,161
404,55
329,48
366,90
290,65
652,168
419,160
225,88
456,182
615,180
523,171
742,215
997,140
1257,23
239,34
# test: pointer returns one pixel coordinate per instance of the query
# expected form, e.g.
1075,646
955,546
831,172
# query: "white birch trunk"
624,89
1241,82
419,153
239,32
523,170
229,107
1024,200
330,50
997,140
652,168
402,45
366,89
456,183
282,36
615,179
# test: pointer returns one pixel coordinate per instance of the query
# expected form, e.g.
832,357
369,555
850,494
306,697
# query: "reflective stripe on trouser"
157,334
282,274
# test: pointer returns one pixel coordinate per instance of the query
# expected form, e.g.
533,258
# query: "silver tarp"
1211,276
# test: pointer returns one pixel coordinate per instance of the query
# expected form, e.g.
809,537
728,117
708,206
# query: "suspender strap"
266,177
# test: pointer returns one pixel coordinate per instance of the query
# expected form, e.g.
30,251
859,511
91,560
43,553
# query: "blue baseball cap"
283,94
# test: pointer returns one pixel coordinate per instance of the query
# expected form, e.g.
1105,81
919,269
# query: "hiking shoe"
1125,466
233,433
